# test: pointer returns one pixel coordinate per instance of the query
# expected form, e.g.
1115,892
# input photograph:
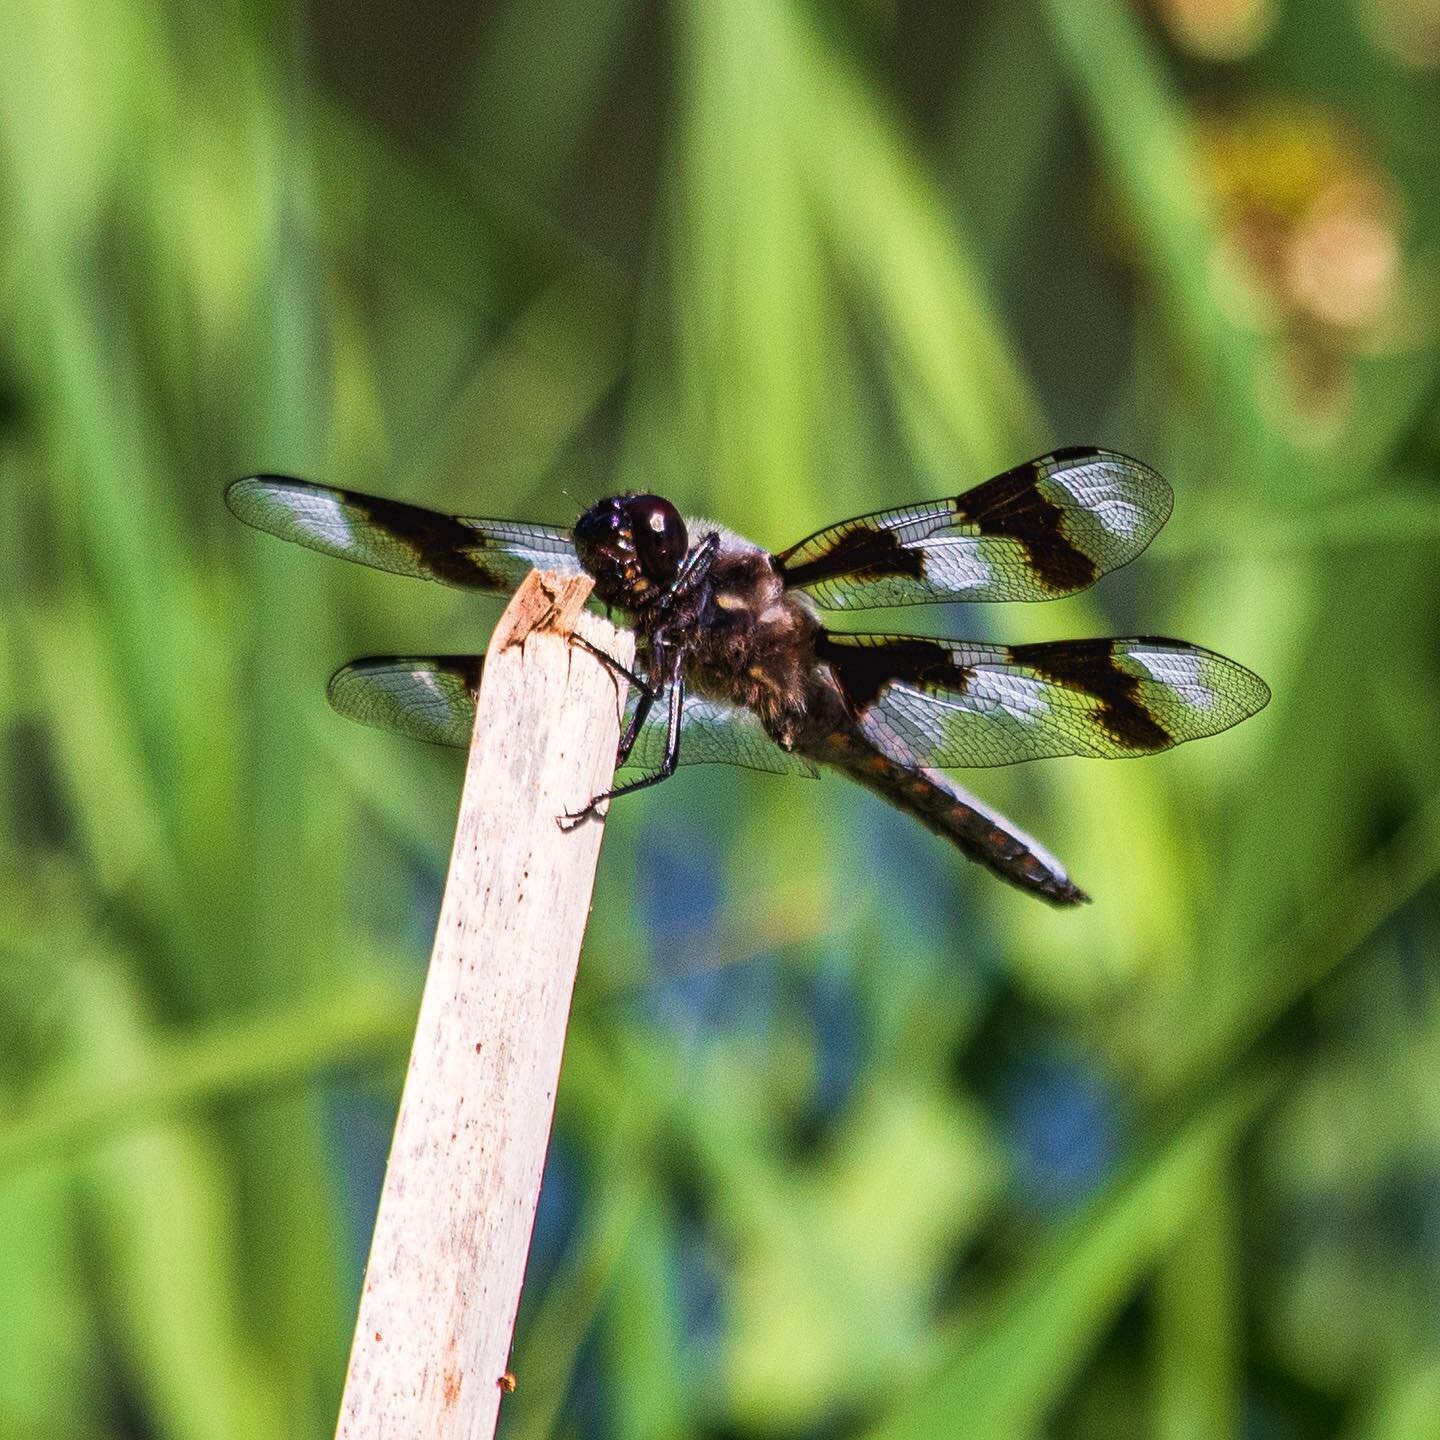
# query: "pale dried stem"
443,1284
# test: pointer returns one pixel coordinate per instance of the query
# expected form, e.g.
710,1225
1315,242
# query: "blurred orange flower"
1310,246
1218,29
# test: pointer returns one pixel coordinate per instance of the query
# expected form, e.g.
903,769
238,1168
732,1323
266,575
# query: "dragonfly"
734,665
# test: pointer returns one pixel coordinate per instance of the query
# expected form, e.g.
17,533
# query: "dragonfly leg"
648,695
632,730
692,572
615,667
666,770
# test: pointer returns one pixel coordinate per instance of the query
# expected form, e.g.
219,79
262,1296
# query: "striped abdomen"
979,833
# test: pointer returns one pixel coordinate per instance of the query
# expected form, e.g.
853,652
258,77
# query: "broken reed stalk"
442,1286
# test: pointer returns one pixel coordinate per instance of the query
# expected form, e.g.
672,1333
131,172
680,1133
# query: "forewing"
472,554
1046,528
432,698
956,703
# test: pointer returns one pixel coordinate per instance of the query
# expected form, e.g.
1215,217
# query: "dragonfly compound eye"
661,540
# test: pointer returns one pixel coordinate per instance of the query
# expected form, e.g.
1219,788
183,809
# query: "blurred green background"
851,1140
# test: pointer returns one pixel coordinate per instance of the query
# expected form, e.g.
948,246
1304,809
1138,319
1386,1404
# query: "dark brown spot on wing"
863,670
859,553
441,544
1012,505
1091,666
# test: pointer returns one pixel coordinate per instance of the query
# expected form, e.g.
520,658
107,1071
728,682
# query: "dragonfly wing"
432,698
472,554
712,732
423,697
946,703
1046,528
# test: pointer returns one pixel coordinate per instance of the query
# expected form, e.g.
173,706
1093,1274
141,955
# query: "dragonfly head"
632,545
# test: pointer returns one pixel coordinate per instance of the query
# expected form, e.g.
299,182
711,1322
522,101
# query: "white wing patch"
1106,493
1017,695
1182,672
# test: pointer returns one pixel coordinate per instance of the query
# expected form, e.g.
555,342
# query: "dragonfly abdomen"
978,832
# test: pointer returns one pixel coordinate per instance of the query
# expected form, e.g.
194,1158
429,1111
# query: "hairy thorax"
755,645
